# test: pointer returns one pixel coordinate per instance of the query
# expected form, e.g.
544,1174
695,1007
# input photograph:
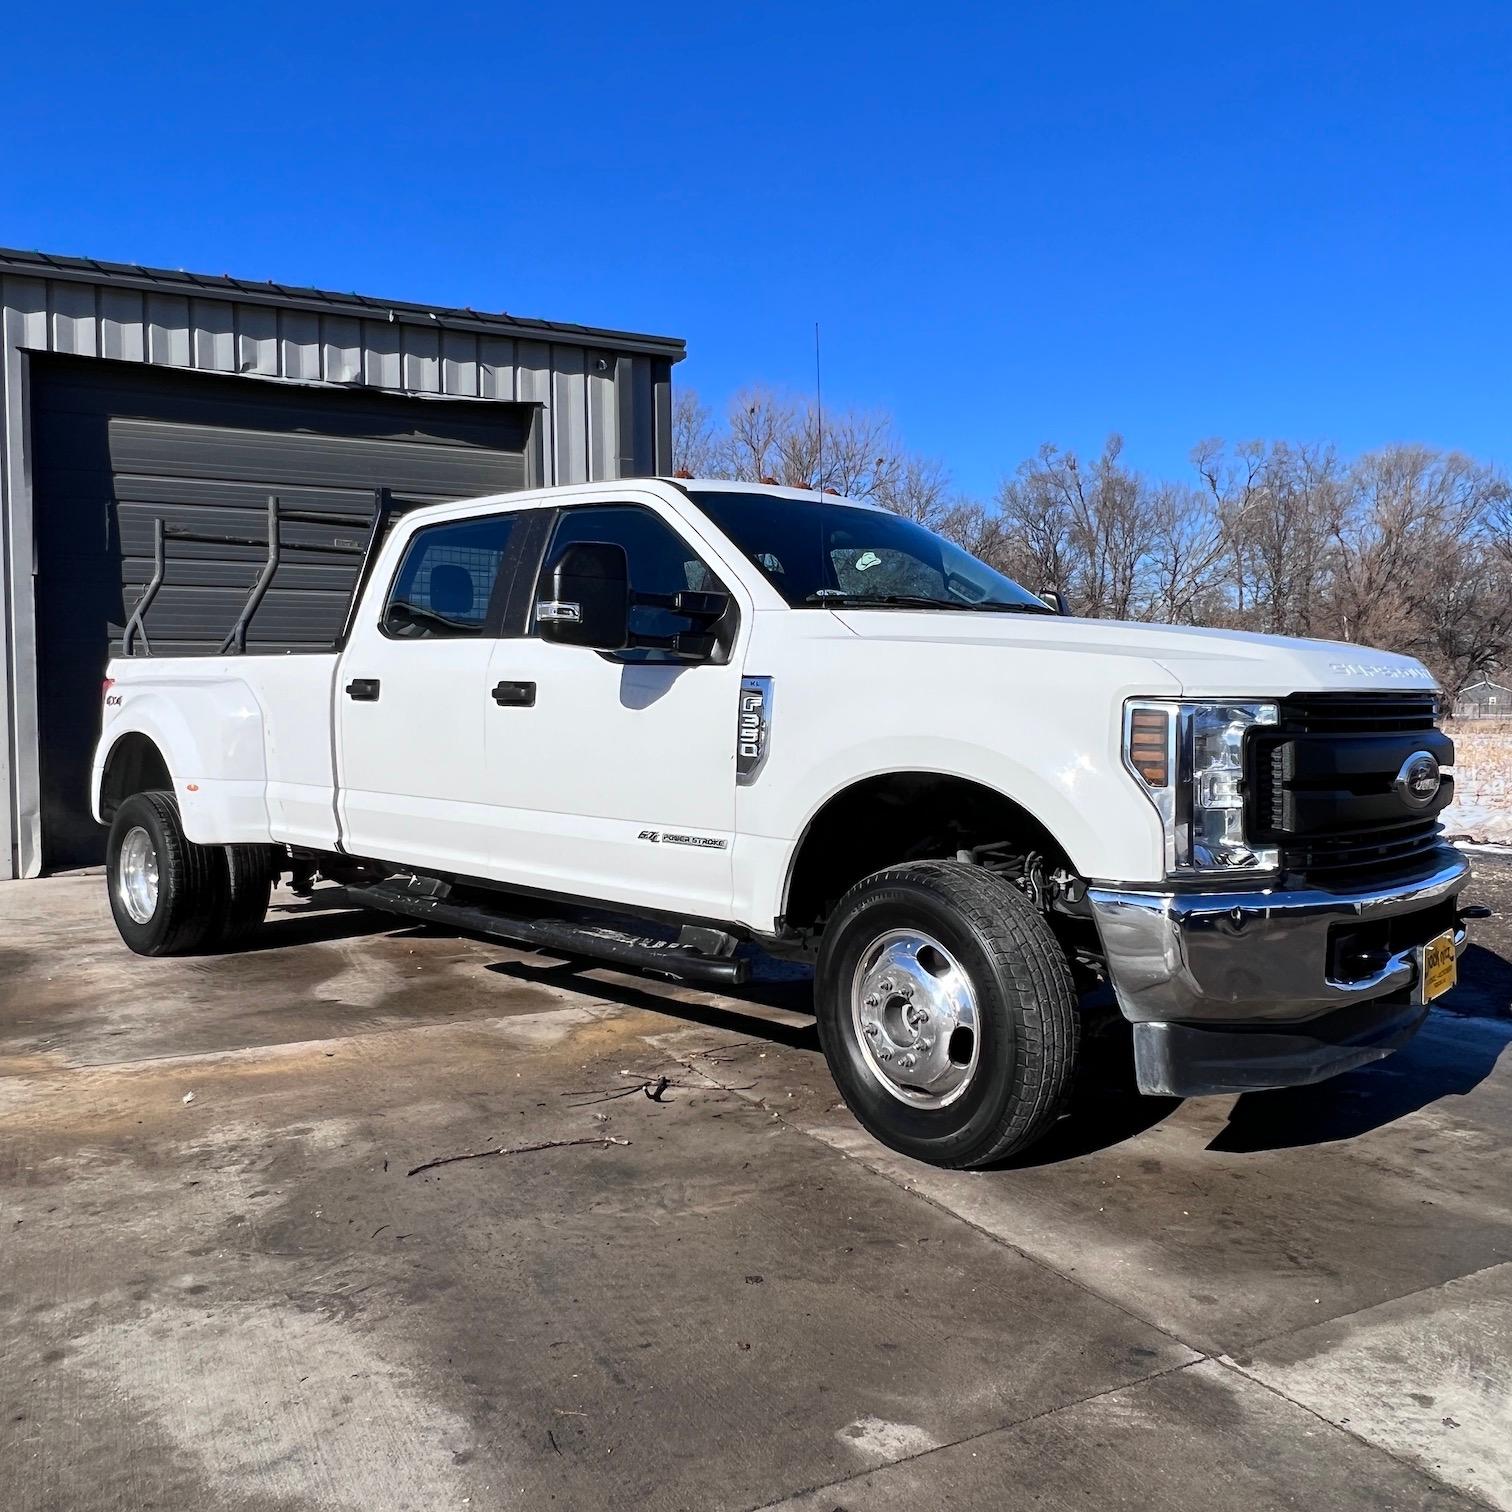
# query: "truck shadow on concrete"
1456,1050
1106,1108
1449,1057
788,995
314,921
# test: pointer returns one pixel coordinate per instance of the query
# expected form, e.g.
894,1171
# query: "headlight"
1189,758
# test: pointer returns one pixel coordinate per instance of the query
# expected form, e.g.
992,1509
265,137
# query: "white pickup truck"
656,721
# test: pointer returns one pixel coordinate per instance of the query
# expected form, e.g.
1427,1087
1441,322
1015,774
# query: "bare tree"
1033,537
1499,530
977,528
695,450
919,489
1279,507
1231,483
1086,530
1417,566
850,452
770,436
1188,557
760,421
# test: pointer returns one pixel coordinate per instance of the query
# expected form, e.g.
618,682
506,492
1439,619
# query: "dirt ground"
226,1286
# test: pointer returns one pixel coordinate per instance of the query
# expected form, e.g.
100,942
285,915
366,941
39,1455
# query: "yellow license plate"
1440,967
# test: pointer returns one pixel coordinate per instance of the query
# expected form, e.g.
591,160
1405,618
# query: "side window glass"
444,584
660,562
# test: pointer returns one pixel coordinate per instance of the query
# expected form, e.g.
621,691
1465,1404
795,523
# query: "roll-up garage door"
117,444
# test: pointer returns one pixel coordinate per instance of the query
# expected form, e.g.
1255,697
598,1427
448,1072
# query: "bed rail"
235,643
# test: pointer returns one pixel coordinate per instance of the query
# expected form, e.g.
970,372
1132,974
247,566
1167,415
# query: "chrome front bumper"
1188,965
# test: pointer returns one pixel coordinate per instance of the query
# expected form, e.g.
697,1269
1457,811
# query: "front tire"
168,895
947,1013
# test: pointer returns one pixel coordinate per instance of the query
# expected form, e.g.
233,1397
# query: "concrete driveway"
223,1287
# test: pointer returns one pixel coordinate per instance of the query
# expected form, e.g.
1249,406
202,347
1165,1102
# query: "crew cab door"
616,780
412,702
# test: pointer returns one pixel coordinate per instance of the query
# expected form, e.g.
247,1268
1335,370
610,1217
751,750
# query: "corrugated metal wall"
604,397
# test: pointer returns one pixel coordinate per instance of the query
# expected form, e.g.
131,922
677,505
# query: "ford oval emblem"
1417,783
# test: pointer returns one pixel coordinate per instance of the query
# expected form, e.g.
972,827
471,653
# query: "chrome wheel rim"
137,875
914,1011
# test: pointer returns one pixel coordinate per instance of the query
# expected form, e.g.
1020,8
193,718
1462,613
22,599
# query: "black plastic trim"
564,936
527,557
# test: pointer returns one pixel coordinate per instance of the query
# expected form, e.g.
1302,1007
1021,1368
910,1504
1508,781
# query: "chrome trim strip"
1379,902
1163,800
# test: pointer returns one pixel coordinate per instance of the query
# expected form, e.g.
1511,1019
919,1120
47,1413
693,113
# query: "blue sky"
1015,223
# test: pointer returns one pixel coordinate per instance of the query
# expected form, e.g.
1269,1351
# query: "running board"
667,958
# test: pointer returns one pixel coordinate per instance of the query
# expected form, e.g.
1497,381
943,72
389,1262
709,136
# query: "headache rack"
235,643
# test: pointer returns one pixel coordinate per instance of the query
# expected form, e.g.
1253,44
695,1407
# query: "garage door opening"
118,444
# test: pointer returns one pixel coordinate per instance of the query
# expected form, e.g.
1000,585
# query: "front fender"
1084,799
216,762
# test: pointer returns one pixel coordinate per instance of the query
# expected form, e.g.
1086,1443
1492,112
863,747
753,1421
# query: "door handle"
515,695
363,690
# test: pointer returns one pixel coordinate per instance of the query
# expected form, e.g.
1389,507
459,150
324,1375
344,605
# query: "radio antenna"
818,411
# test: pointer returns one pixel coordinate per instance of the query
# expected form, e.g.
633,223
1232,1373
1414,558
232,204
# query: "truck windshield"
821,555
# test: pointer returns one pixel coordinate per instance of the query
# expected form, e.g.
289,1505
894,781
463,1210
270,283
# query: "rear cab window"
446,583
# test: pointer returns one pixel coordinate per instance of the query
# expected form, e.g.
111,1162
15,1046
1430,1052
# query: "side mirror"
590,598
1056,600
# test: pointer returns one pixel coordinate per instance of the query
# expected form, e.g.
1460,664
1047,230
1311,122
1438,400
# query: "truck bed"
260,764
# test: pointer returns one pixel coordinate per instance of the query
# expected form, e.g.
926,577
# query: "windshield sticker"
866,560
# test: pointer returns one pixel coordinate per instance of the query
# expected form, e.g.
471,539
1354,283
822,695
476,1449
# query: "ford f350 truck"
652,721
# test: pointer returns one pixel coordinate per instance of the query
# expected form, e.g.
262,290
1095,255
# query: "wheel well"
903,816
135,765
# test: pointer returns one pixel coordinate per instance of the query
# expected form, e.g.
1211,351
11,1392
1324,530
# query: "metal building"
1484,700
134,392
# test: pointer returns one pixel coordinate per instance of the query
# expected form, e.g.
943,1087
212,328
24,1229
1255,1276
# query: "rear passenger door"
411,700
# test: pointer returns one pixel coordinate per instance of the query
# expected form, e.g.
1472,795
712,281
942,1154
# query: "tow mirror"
590,598
1056,600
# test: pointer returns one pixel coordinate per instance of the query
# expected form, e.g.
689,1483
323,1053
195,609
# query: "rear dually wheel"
167,894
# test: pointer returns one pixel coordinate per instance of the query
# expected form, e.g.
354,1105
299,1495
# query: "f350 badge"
753,728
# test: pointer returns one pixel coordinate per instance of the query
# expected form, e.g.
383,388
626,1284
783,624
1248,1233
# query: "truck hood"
1216,663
